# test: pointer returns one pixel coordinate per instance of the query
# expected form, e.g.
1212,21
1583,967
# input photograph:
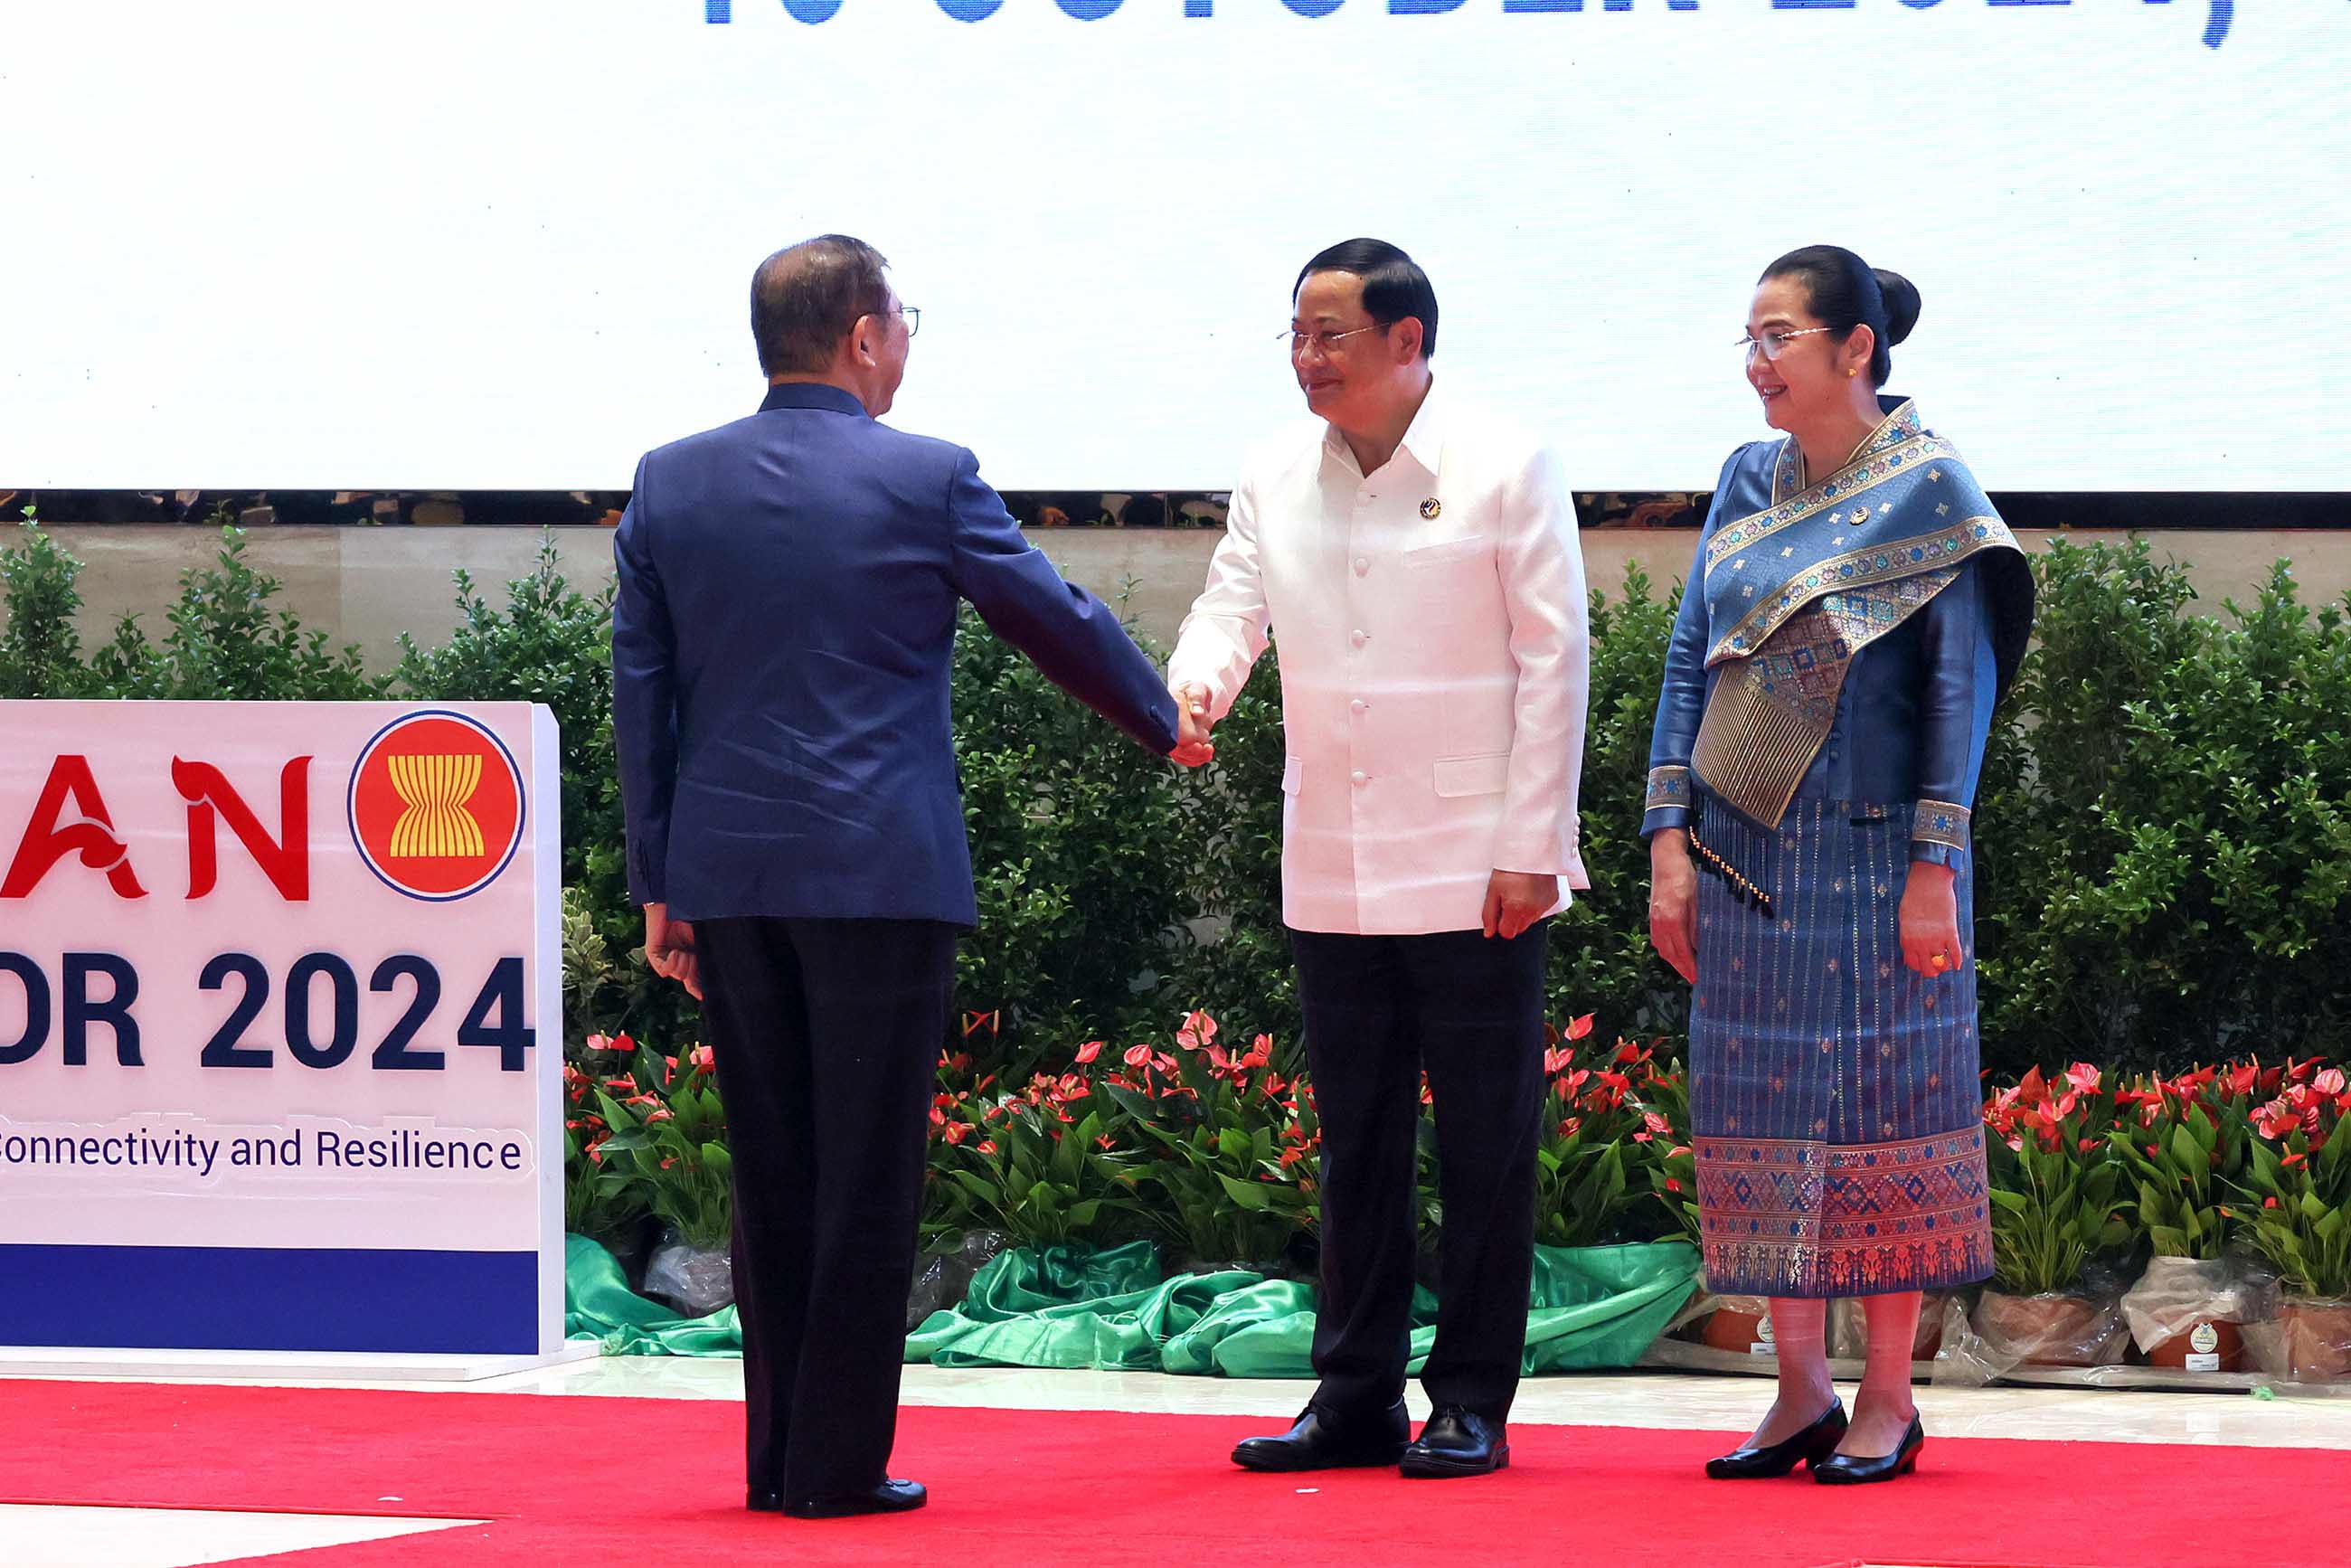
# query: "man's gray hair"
806,298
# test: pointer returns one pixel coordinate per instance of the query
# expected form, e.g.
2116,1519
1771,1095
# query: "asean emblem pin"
1431,509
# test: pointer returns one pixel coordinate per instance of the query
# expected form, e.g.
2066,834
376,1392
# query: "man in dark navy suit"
788,586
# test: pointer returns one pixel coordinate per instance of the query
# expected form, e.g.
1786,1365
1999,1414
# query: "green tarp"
597,1304
1072,1306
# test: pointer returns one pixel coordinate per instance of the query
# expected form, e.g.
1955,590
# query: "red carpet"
638,1480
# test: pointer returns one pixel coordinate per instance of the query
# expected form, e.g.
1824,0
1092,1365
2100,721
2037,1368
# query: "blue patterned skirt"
1837,1119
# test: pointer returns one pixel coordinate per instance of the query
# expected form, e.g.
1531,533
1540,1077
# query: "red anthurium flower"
1656,1123
1567,1128
2274,1120
956,1132
626,1081
2083,1077
599,1042
1626,1051
701,1059
1138,1056
1261,1051
986,1145
1555,1060
1197,1031
2330,1082
1674,1185
1088,1050
1103,1142
1581,1027
1164,1063
659,1113
2293,1159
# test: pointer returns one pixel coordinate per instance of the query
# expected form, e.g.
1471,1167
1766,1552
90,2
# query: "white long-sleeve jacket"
1435,665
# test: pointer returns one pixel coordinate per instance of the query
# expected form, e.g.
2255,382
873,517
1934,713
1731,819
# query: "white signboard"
279,1028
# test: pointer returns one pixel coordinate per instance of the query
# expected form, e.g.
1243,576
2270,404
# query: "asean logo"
436,806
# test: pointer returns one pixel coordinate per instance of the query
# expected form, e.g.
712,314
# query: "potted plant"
1045,1165
2185,1153
1231,1149
2056,1197
2301,1179
665,1147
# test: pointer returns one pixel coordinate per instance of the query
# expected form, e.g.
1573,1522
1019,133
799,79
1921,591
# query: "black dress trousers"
1468,1009
826,1035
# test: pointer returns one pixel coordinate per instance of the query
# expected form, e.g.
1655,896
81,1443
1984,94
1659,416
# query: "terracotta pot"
1727,1328
2211,1346
2317,1340
2045,1331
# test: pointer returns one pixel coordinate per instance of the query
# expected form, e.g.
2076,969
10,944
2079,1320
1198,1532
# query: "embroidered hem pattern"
1804,1219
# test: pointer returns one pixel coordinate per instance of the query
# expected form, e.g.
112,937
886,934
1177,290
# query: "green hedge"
2165,826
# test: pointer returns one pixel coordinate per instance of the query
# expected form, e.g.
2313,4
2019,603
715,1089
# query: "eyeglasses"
915,319
1322,342
1775,344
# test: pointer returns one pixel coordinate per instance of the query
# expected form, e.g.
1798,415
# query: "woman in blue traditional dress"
1856,610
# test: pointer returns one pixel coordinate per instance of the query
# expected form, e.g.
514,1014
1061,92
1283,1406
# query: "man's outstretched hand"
1192,724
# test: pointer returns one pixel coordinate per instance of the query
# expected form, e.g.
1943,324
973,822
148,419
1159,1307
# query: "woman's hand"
1673,902
1930,920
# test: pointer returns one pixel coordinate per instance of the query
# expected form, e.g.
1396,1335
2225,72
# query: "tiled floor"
83,1538
178,1538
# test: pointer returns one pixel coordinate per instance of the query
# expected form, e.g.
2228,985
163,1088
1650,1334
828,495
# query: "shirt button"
1361,779
1360,638
1362,565
1360,705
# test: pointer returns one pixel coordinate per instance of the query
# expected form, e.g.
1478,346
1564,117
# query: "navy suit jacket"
781,641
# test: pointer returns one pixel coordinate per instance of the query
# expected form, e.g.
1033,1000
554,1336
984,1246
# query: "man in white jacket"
1420,561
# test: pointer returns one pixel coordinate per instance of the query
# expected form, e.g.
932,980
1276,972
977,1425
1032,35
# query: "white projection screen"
506,244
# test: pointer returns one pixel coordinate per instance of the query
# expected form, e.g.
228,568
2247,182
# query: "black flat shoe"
890,1496
760,1501
1320,1441
1845,1471
1457,1442
1813,1445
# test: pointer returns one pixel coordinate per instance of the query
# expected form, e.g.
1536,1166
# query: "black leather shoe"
1458,1442
760,1501
1845,1471
1320,1441
890,1496
1809,1447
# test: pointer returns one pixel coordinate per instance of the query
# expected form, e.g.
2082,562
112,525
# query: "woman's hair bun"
1901,297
